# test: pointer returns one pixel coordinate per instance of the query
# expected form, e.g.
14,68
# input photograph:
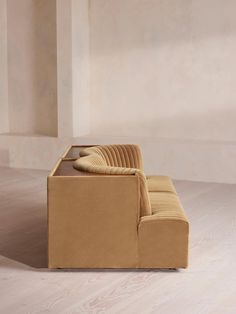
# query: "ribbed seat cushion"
160,184
117,160
166,205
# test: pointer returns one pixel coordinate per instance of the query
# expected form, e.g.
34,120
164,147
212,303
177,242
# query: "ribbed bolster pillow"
128,156
113,159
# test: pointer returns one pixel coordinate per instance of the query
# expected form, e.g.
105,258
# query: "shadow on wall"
32,66
135,24
45,66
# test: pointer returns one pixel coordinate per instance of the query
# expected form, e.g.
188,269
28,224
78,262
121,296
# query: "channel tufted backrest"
128,156
116,159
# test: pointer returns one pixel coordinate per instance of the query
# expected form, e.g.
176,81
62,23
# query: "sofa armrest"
92,221
163,241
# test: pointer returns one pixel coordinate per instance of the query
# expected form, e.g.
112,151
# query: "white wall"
164,68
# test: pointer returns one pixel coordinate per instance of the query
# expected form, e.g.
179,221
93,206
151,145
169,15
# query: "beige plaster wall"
4,121
64,68
164,68
73,68
157,73
80,67
32,71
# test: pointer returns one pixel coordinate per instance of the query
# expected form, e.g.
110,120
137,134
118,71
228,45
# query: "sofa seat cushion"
166,205
160,184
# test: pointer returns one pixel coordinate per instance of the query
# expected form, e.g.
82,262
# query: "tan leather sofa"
103,212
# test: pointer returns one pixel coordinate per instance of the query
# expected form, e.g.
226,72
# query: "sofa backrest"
117,160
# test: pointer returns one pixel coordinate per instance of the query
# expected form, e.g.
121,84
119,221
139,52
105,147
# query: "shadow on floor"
23,237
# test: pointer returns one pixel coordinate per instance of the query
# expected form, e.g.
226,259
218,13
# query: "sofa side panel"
163,243
93,221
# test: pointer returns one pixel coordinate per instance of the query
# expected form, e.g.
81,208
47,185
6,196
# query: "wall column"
73,67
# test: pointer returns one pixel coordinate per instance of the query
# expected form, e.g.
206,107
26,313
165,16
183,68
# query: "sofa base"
94,221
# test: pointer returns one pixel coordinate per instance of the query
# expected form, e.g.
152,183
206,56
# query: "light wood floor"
26,286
